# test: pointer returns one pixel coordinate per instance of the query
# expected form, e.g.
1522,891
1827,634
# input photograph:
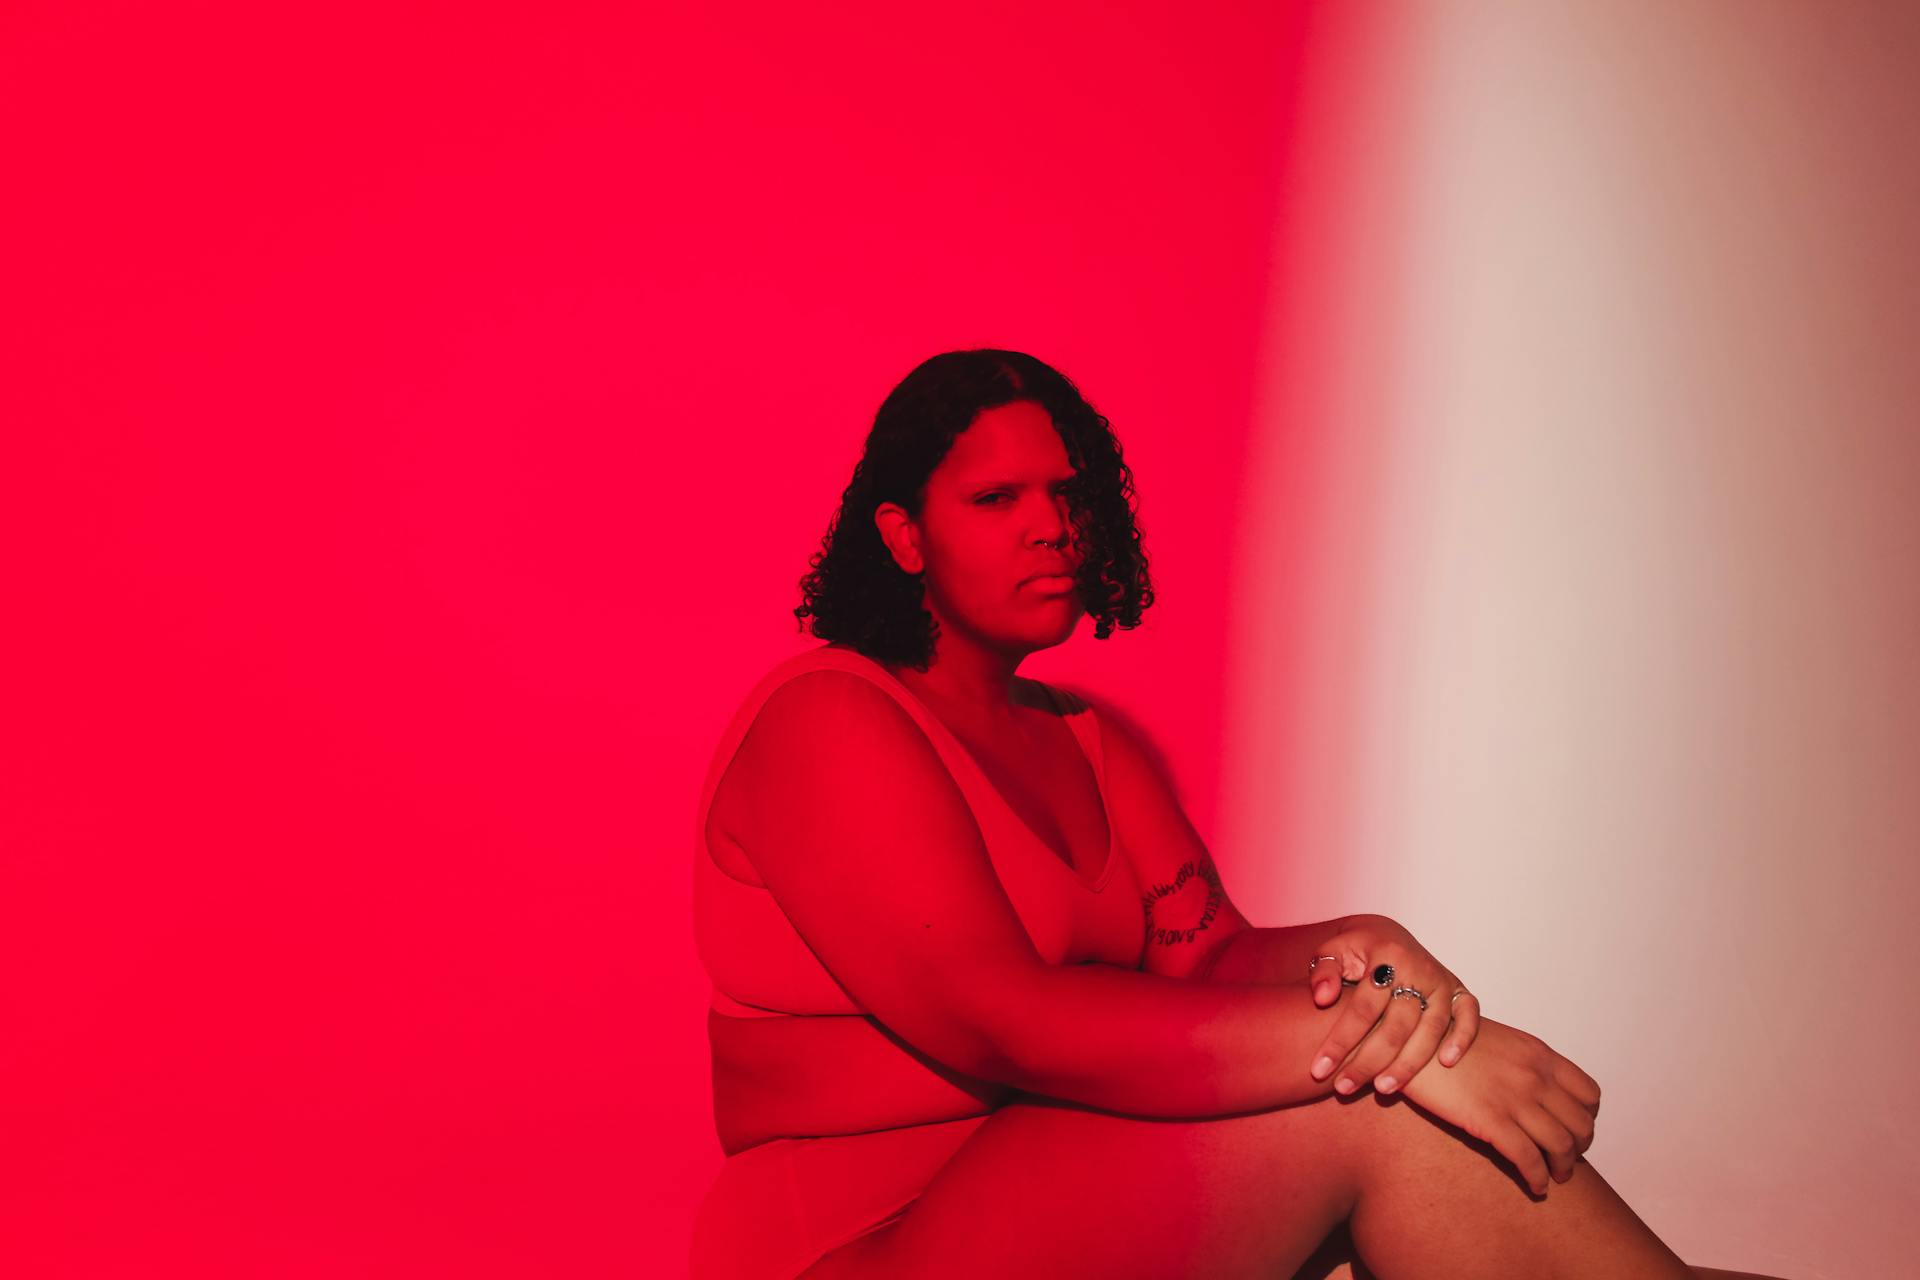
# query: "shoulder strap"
821,657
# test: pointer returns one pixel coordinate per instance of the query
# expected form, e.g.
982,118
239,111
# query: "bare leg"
1046,1188
1336,1260
1471,1216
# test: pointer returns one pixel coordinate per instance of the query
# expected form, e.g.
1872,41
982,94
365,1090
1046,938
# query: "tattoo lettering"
1206,873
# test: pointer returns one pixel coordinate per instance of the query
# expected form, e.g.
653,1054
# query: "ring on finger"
1409,991
1344,981
1456,995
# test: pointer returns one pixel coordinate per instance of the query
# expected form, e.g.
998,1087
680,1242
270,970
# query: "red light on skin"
1052,583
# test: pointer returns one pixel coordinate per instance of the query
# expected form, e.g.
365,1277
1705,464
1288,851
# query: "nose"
1053,533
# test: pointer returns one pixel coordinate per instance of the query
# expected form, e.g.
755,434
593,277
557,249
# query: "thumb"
1326,970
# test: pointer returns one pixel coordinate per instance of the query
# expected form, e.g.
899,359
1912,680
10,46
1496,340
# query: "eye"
1065,487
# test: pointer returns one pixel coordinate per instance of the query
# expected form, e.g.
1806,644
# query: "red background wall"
414,423
418,421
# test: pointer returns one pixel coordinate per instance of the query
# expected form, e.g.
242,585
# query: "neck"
969,678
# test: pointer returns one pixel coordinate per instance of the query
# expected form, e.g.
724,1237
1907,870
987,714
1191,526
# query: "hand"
1399,1038
1533,1106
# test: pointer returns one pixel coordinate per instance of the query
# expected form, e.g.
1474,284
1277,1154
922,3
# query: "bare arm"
1194,928
866,842
1240,1041
1270,954
1195,931
1150,1045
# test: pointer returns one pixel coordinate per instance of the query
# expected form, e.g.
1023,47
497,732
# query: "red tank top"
827,1068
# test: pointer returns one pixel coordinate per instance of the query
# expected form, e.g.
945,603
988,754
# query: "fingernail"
1321,1068
1450,1056
1320,992
1385,1084
1345,1085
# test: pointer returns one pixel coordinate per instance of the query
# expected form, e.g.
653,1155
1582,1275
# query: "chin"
1062,633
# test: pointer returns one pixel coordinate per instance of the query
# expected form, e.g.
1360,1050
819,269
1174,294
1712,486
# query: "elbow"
994,1062
996,1026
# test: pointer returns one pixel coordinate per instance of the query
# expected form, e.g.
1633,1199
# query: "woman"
982,1005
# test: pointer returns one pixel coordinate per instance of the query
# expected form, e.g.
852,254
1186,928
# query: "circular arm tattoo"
1167,935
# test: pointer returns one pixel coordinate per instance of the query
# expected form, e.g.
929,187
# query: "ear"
897,531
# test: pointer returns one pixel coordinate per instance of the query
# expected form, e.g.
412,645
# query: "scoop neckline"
1098,766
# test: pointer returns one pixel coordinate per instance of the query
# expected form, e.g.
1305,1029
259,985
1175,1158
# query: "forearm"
1270,955
1150,1045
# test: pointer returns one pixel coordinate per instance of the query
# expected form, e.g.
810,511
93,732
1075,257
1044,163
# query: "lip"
1051,582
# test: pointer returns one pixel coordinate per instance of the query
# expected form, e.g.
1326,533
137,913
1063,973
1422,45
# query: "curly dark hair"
858,595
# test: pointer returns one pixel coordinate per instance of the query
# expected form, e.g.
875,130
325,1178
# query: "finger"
1345,969
1355,1021
1417,1051
1333,960
1556,1144
1570,1112
1465,1009
1381,1046
1513,1142
1354,963
1323,974
1584,1088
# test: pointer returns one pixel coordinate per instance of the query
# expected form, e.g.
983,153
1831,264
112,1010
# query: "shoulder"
823,702
819,679
821,657
834,750
825,705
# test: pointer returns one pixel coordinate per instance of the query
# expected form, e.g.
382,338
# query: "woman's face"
995,516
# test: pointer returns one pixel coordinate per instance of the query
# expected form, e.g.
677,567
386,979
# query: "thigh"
1046,1187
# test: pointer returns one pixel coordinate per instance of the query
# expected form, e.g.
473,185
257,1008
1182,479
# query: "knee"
1347,1143
1390,1137
1369,1130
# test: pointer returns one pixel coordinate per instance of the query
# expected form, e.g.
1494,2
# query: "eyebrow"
980,485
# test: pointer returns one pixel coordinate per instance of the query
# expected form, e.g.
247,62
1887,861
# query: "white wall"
1601,631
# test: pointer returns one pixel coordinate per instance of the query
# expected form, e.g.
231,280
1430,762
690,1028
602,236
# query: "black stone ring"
1383,975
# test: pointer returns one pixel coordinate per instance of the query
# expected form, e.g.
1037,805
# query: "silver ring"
1317,959
1461,992
1409,991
